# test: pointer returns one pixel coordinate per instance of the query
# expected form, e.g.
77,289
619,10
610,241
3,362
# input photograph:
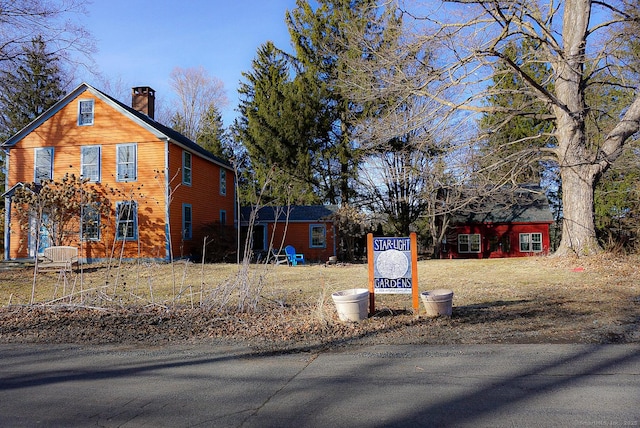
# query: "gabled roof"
12,190
526,204
159,130
296,213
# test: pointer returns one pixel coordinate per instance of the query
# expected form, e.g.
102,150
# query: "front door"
258,238
499,245
41,239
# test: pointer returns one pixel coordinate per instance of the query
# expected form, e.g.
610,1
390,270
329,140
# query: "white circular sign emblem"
392,264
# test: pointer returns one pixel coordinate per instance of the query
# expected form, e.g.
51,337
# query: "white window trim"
529,243
80,122
469,241
99,166
37,179
135,162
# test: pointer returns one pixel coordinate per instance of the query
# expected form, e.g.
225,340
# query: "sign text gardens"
393,267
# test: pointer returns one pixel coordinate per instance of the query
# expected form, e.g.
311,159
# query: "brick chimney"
143,99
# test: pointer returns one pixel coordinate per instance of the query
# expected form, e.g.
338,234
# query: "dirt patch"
597,303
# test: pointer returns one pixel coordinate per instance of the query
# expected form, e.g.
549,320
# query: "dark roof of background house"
297,213
527,204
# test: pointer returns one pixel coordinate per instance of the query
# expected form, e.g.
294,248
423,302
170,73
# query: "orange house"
308,228
163,188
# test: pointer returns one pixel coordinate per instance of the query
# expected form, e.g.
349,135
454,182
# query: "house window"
85,112
318,235
43,165
531,242
223,217
127,162
90,223
187,221
90,163
186,168
223,182
469,243
127,220
494,244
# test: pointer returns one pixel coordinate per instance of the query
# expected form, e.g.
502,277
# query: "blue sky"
140,41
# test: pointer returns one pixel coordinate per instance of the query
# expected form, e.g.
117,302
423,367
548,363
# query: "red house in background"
308,228
512,223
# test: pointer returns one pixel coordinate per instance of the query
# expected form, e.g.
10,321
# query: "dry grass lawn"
530,300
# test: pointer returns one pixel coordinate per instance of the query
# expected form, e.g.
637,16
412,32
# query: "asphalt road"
375,386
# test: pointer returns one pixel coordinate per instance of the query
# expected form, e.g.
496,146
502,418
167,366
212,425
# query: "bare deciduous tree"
57,206
197,92
578,39
53,20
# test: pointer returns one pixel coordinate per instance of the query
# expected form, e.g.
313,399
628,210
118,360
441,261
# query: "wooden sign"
393,267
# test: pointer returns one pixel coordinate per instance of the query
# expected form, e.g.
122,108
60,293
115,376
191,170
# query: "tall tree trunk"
344,157
580,172
577,170
578,226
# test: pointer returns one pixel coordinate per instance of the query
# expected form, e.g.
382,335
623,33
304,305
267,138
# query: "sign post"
393,268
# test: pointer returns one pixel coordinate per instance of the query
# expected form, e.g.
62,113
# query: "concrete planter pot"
437,302
352,305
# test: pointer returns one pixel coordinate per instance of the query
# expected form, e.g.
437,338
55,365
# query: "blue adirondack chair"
294,258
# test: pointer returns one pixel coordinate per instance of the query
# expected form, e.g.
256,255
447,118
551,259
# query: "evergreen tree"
196,91
512,151
617,203
211,134
293,116
178,123
276,124
321,41
28,90
617,193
